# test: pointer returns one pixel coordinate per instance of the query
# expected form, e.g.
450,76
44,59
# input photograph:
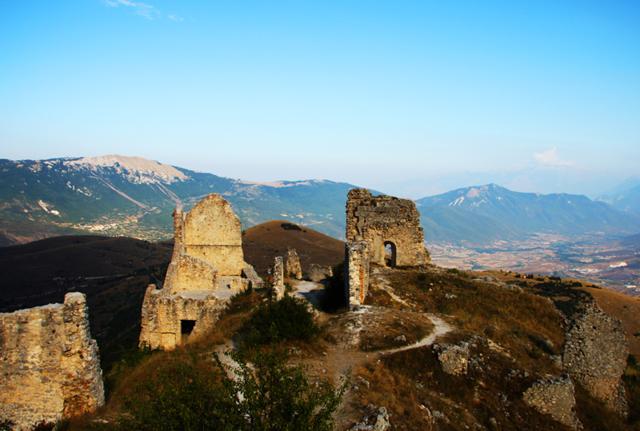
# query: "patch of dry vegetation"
387,329
528,326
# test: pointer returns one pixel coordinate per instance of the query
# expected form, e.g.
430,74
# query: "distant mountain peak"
137,169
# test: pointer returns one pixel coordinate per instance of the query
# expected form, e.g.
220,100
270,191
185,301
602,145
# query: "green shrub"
283,320
194,394
277,397
180,395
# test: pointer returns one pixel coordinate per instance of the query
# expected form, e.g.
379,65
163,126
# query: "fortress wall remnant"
292,266
595,355
207,267
278,277
49,364
357,272
386,221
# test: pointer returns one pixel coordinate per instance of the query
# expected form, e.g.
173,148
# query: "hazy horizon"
411,98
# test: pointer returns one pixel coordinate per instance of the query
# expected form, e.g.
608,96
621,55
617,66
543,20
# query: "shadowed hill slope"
263,242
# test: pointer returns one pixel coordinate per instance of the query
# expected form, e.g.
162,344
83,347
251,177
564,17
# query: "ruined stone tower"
49,364
381,230
207,267
389,225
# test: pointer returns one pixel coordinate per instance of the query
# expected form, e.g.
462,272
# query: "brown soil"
265,241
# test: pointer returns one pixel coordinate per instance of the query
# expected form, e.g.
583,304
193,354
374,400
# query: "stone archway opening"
389,254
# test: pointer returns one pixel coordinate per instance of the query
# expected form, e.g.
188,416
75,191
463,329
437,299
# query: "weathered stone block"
292,265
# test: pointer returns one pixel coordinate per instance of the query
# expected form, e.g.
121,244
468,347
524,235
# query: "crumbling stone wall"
385,219
163,314
207,267
555,397
595,355
207,244
292,265
319,272
277,274
357,272
49,364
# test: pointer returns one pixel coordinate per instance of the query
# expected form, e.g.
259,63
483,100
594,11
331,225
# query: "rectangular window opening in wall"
186,326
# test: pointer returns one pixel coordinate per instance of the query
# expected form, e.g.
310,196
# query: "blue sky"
408,97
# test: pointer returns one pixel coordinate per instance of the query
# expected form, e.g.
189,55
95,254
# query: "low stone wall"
49,364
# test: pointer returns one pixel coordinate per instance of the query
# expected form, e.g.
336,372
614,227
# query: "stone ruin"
207,268
292,266
319,272
277,278
595,355
381,230
49,364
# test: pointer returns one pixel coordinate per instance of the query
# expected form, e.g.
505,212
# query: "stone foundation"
49,364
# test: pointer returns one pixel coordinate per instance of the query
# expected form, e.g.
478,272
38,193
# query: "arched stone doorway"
389,254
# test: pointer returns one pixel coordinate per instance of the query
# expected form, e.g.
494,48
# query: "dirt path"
440,328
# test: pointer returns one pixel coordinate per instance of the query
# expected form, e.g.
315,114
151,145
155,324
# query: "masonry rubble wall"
207,268
357,272
595,355
49,364
292,266
277,274
381,220
554,396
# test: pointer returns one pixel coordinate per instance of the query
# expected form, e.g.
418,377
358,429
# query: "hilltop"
265,241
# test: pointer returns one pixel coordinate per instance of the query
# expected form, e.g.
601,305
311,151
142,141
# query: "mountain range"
131,196
489,213
625,197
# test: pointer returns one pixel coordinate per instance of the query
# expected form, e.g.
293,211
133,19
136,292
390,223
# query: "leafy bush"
180,395
283,320
277,397
191,394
